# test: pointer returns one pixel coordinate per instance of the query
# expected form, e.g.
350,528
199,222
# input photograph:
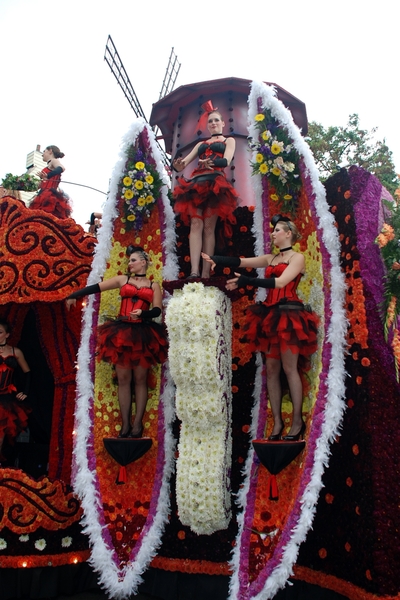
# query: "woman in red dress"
207,195
132,342
280,327
49,197
13,415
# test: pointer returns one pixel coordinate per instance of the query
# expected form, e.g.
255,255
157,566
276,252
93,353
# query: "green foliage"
25,183
337,147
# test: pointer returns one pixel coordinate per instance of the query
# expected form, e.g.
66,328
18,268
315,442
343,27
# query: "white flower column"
200,331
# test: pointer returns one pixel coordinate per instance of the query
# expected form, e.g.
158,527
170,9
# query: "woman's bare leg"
124,377
140,380
208,242
273,367
290,366
195,242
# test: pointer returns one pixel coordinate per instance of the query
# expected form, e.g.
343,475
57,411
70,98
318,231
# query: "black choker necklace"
216,134
138,275
2,345
284,249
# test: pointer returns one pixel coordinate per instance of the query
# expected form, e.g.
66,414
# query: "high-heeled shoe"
125,435
297,436
276,436
194,276
137,435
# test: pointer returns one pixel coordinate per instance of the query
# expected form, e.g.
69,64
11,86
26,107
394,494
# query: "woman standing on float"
207,195
49,197
280,327
132,342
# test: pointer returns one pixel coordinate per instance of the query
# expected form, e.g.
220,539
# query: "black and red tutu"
284,326
13,416
52,201
131,344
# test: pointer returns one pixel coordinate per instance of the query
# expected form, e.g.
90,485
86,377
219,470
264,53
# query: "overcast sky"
338,57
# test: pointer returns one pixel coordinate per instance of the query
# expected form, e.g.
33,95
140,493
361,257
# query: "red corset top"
52,183
7,366
288,292
133,297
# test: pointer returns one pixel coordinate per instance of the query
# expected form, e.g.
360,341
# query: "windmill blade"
114,61
171,74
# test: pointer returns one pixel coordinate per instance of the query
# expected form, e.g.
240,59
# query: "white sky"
339,58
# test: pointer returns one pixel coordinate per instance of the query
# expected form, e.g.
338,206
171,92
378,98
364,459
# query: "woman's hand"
21,396
231,284
70,302
42,175
179,164
135,314
208,259
206,164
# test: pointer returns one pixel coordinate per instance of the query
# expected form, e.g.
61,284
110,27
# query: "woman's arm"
27,374
230,146
255,262
180,163
296,266
109,284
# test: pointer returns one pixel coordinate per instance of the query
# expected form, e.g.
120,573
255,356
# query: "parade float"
42,259
195,509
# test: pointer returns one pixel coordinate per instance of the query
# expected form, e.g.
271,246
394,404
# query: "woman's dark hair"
5,324
56,151
138,250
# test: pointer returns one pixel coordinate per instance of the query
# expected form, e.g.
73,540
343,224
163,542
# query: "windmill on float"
114,61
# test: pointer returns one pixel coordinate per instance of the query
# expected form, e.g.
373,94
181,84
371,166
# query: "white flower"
23,538
40,544
3,544
66,541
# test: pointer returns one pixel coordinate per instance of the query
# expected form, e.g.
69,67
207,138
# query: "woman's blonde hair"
290,226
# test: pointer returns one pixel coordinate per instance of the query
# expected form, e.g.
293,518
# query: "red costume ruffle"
281,323
13,412
130,344
52,200
208,191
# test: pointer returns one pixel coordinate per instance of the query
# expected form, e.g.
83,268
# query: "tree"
338,147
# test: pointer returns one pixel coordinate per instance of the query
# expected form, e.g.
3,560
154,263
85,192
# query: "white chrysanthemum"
199,327
40,544
3,544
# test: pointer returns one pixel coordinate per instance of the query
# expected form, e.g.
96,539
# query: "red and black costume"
50,198
282,323
131,343
206,190
13,413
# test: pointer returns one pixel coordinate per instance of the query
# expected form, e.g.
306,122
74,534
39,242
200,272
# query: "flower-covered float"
196,501
42,259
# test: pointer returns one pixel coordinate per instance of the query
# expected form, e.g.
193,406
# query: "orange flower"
347,194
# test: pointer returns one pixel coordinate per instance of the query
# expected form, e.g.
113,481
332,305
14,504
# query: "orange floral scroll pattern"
27,505
40,254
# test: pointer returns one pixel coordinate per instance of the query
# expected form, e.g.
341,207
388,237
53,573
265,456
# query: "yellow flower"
131,218
259,117
141,201
265,135
274,197
287,197
149,199
127,181
139,184
259,157
275,171
264,168
128,194
275,148
149,179
139,165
